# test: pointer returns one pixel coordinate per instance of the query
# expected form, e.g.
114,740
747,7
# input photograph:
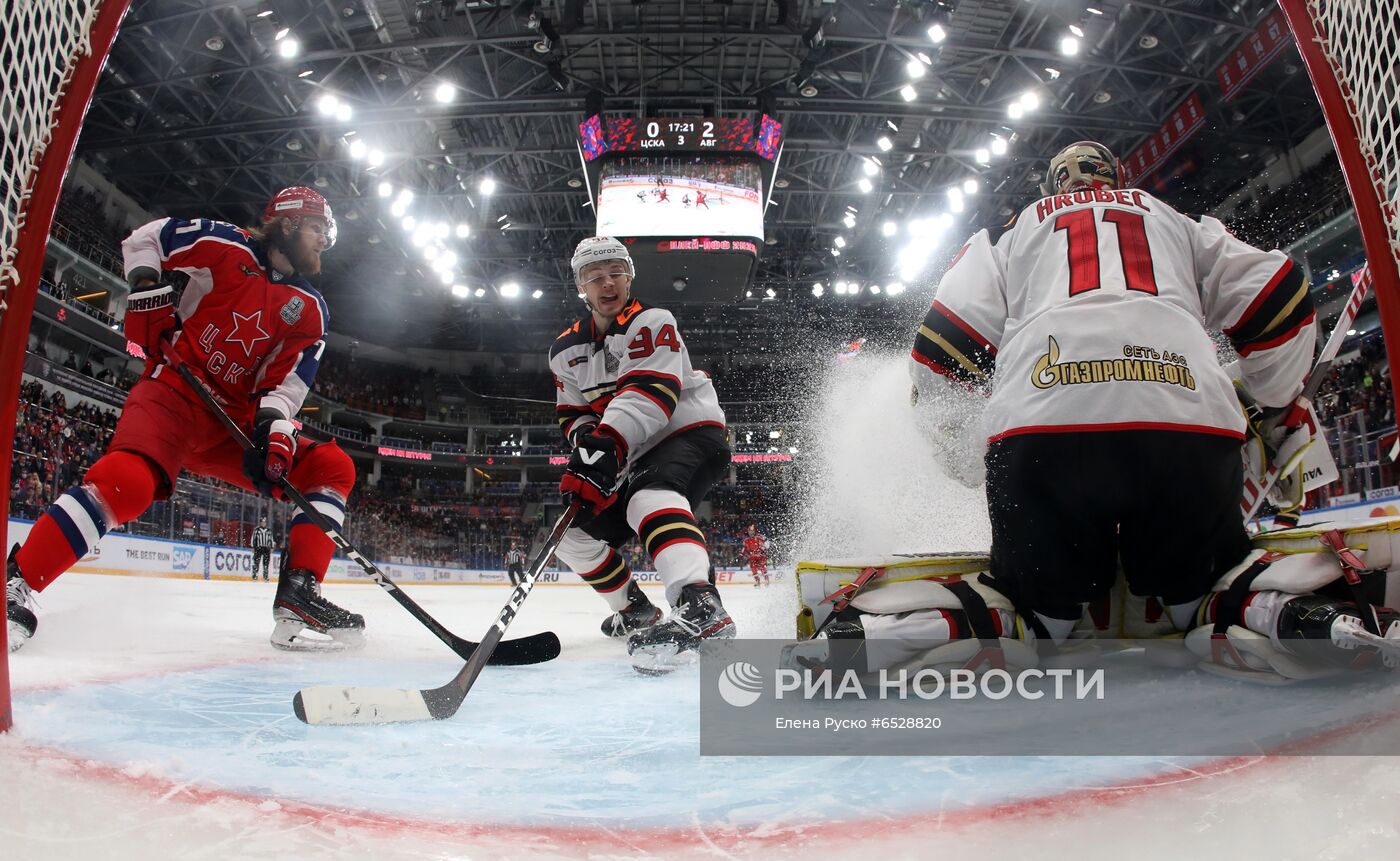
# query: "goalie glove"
274,447
593,470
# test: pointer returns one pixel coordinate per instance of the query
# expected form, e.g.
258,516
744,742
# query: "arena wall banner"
65,378
120,554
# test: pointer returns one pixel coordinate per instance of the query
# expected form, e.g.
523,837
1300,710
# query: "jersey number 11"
1083,236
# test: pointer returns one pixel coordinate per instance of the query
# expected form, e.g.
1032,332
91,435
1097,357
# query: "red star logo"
248,331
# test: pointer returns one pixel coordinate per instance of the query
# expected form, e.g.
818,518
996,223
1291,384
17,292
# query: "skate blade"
18,636
662,659
291,636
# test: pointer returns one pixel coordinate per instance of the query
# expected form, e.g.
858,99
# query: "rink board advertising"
1116,698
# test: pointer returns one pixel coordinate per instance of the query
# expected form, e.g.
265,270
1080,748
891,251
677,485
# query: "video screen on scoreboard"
713,195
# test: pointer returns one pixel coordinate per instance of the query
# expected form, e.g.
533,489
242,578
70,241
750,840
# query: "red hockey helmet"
297,201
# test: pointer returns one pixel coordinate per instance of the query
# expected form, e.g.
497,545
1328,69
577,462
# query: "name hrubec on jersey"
1128,197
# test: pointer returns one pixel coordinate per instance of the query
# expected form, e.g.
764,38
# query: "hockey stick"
341,706
1254,494
534,649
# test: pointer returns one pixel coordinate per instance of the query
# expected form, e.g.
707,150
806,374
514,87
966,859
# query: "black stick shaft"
464,648
456,690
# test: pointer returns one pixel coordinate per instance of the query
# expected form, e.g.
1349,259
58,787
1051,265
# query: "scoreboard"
631,135
687,195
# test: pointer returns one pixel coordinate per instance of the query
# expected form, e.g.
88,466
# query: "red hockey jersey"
756,546
252,334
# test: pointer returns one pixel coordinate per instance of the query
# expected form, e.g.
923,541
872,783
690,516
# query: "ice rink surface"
152,716
153,720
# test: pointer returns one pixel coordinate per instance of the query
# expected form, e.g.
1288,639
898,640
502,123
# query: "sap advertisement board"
119,553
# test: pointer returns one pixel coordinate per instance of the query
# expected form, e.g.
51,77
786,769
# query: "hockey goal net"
51,52
1351,49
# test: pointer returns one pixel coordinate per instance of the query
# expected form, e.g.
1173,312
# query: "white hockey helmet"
1082,164
594,249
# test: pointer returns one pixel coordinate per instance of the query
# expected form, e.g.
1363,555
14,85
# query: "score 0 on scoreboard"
686,195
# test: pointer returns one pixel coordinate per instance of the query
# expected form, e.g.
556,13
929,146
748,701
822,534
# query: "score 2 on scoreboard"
687,195
633,135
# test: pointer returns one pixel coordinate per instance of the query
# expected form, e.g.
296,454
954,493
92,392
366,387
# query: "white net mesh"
41,42
1361,41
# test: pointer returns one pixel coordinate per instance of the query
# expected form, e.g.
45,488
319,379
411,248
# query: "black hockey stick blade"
534,649
333,706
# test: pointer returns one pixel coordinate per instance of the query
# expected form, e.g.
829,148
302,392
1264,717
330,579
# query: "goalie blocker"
1283,614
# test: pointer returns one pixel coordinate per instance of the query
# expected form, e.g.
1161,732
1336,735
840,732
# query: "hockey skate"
306,622
638,615
697,616
21,621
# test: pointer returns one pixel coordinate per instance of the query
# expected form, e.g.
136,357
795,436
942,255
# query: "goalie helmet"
298,201
595,249
1082,164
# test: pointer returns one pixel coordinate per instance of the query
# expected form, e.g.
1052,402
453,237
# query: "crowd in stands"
435,522
1285,215
54,446
377,387
78,222
1361,384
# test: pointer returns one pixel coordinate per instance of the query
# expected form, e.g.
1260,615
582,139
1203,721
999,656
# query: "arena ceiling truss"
200,113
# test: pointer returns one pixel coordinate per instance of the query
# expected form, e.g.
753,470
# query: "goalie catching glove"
592,473
274,446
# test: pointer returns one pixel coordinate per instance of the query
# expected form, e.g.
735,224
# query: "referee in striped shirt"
515,563
262,549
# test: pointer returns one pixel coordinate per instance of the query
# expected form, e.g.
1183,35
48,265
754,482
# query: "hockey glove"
274,446
593,471
150,317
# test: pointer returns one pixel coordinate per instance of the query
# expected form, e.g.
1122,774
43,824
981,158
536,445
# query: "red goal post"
50,55
1351,49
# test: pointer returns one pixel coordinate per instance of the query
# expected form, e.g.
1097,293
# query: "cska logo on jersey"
248,330
291,312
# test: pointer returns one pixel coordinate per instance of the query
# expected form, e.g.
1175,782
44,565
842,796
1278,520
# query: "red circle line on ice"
725,837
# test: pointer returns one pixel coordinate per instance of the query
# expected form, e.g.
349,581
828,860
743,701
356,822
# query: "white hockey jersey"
1090,314
636,379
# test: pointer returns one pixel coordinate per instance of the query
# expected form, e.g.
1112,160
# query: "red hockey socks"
116,489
